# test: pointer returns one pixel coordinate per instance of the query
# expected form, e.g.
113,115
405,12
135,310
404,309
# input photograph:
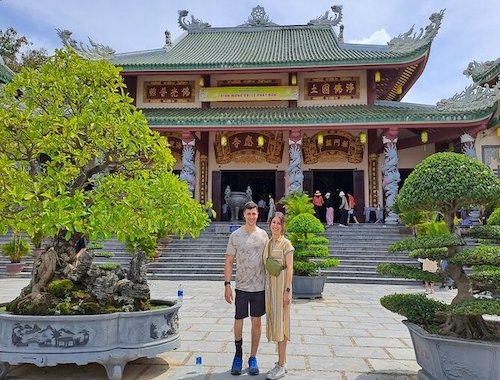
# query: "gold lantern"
293,80
399,89
320,139
424,136
223,140
362,137
260,141
498,131
377,76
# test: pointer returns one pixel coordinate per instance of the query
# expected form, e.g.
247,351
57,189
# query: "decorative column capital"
187,138
295,137
391,134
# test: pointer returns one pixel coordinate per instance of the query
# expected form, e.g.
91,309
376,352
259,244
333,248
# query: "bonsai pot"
443,357
109,339
14,268
36,252
310,287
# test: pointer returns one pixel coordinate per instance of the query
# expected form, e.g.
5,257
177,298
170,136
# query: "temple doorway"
333,181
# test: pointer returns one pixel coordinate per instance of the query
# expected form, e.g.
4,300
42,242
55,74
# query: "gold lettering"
314,89
152,91
336,142
350,87
325,89
186,92
328,142
174,93
248,141
345,144
338,88
163,92
236,142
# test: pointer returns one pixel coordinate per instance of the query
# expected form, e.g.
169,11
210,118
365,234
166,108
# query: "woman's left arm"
287,295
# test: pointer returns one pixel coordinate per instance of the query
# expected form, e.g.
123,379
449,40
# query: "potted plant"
456,340
15,250
84,162
311,251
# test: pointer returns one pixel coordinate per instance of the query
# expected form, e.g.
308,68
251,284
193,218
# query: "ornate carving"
242,147
373,179
477,69
94,51
258,17
294,170
188,172
325,20
391,176
468,147
203,181
165,328
195,24
24,335
409,41
338,146
473,98
168,41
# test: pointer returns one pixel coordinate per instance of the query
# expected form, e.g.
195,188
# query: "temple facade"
282,108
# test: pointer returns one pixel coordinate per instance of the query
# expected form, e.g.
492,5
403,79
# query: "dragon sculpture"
325,20
391,176
95,51
294,169
188,173
195,23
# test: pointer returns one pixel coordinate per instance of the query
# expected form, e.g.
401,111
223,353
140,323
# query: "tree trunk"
471,327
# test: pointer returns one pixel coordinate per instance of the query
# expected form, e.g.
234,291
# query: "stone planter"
308,286
109,339
14,268
443,358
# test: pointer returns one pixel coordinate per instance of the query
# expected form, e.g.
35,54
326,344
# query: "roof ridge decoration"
409,42
94,51
478,69
325,20
258,17
195,24
473,98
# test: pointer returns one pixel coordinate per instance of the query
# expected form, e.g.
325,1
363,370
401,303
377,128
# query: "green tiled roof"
491,73
246,48
6,74
383,112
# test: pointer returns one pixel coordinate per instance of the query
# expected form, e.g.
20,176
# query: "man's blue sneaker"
237,364
253,368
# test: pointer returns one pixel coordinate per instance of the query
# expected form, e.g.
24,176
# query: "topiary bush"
494,219
445,182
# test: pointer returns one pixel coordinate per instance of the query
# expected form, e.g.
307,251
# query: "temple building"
283,108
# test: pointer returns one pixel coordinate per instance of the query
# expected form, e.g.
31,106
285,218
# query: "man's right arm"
228,272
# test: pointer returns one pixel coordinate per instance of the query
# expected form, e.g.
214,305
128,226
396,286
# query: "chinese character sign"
169,92
332,88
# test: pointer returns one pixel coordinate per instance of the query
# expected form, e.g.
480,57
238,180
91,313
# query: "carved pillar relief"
188,172
391,175
294,171
373,179
468,145
203,182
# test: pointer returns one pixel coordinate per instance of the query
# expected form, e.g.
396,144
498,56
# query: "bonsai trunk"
470,327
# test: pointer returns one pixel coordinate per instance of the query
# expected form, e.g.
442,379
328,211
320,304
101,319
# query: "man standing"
246,245
262,210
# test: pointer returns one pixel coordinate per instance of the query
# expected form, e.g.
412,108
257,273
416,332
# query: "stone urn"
236,200
109,339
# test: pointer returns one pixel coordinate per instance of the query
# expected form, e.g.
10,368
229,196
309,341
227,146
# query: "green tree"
445,182
77,159
16,51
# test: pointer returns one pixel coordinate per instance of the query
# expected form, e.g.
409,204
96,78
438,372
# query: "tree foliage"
16,51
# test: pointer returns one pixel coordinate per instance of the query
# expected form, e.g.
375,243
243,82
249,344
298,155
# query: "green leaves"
405,271
417,308
429,241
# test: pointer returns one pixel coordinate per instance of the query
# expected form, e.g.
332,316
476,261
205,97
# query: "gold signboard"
244,147
173,91
248,93
175,144
332,88
337,146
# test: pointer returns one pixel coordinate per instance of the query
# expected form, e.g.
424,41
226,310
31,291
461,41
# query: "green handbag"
273,266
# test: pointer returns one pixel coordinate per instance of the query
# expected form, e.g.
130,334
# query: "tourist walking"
429,266
318,202
344,208
350,213
246,245
272,208
278,292
329,209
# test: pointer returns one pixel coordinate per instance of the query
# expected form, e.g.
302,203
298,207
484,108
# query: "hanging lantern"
223,140
320,139
202,82
399,89
293,80
498,131
260,141
362,137
424,136
377,76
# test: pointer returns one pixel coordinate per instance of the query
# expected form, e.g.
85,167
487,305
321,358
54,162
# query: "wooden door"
216,194
358,181
279,189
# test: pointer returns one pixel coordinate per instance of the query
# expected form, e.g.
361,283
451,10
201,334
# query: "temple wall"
488,149
409,158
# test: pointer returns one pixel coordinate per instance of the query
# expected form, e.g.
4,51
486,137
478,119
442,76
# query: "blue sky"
469,30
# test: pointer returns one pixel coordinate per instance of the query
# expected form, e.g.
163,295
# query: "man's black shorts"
256,300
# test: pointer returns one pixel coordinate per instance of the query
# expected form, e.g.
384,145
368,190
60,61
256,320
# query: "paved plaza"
346,335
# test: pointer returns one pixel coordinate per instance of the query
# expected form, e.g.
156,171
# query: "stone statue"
294,169
94,51
195,23
391,176
188,172
248,192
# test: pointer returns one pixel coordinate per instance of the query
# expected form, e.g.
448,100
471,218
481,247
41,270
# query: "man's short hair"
249,205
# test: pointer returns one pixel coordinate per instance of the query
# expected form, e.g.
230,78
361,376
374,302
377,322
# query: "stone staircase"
359,247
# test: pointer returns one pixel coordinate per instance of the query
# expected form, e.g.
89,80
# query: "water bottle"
180,293
198,362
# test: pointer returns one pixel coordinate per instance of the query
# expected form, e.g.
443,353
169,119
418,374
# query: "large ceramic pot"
14,268
236,200
110,339
445,358
310,287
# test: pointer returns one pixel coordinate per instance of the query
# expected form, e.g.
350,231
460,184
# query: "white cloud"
380,37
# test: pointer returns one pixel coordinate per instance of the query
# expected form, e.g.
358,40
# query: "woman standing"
278,293
329,209
272,209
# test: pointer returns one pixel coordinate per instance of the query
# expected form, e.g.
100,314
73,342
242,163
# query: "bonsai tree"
445,182
16,249
77,159
311,252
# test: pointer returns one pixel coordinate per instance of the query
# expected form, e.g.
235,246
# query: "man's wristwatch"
226,283
287,290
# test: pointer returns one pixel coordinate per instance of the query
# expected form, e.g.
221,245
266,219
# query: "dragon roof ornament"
258,17
473,98
194,25
478,69
409,41
94,51
325,20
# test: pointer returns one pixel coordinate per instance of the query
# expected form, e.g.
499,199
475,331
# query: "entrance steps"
359,247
